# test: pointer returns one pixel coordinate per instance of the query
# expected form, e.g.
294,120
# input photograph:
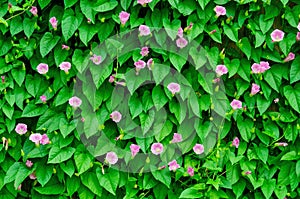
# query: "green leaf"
91,181
28,26
53,189
280,191
32,110
203,3
47,43
199,58
177,60
271,12
16,25
69,3
166,130
262,104
268,187
43,3
109,180
107,6
295,70
265,25
126,4
82,161
293,96
262,152
292,155
69,25
43,174
259,38
231,32
12,172
273,79
134,81
160,71
19,76
245,46
191,193
159,98
171,28
135,106
68,168
57,155
80,59
8,111
163,176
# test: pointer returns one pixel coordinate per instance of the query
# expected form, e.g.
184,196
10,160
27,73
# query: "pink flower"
65,47
32,176
35,137
21,128
173,166
157,148
298,26
256,68
88,20
42,68
277,35
34,10
290,57
281,144
181,42
221,70
116,116
111,79
20,187
124,16
53,22
3,79
45,139
144,30
220,10
176,138
29,163
255,89
276,100
298,36
216,80
190,171
139,65
75,101
150,64
248,172
189,27
144,51
134,149
174,88
121,83
111,158
198,149
180,32
212,32
65,66
264,66
43,98
96,59
236,142
143,2
5,143
236,104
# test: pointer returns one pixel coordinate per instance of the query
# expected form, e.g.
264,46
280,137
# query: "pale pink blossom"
180,32
139,65
34,10
96,59
216,80
236,142
298,36
290,57
88,20
43,98
21,128
220,10
150,63
190,171
189,27
198,149
144,30
221,70
5,143
236,104
173,166
65,66
157,148
32,176
53,22
121,83
124,16
42,68
277,35
276,100
29,163
181,42
82,119
176,138
162,167
298,26
255,89
281,144
264,66
111,79
35,137
75,101
20,187
3,79
134,149
65,47
256,68
116,116
174,88
144,51
248,172
143,2
212,32
111,158
45,139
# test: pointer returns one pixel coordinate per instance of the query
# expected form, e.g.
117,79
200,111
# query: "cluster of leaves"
72,164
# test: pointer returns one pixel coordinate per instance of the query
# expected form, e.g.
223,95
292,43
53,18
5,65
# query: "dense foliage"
149,99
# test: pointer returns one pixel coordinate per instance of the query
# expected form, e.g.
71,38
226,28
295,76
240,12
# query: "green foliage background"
65,169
